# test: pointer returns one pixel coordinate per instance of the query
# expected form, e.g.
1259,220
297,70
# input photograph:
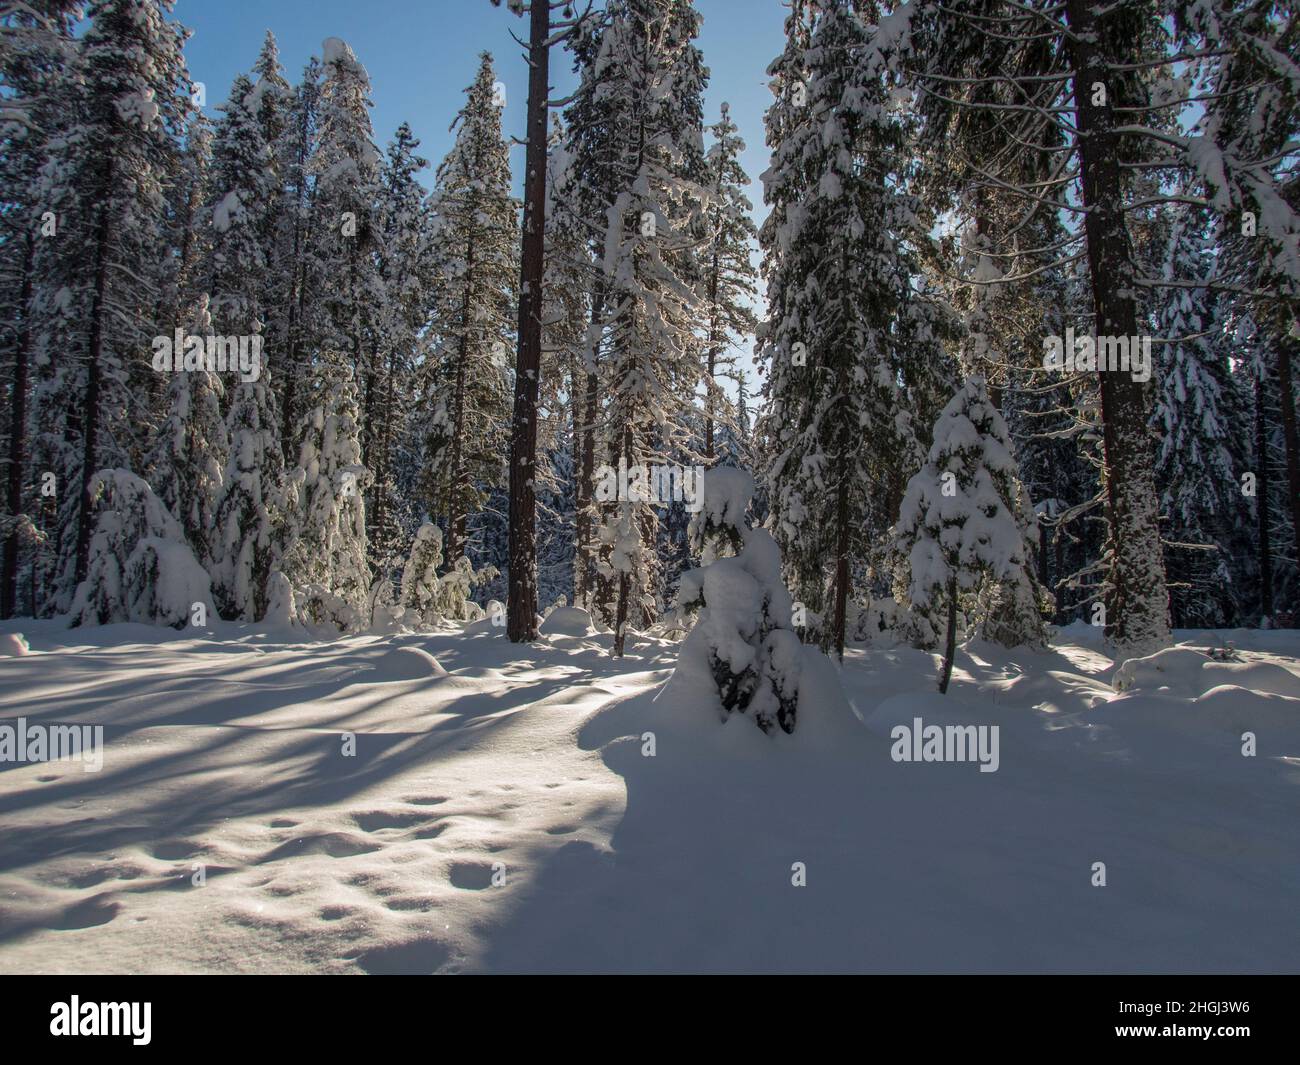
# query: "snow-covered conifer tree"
188,460
729,276
958,521
743,637
476,250
105,180
852,343
140,567
326,558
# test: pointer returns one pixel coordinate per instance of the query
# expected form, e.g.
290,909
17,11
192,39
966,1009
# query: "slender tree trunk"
455,501
1261,505
580,519
1138,618
712,359
18,436
521,600
841,566
94,355
624,577
297,283
587,469
950,644
1289,436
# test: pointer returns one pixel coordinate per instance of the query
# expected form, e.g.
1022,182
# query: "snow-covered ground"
507,815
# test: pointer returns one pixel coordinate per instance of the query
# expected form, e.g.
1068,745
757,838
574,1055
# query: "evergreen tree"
958,519
247,531
405,273
105,180
326,557
1195,469
852,343
188,459
652,80
729,276
242,193
140,567
347,195
476,251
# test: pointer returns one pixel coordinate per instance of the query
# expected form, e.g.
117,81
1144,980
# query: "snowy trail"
229,754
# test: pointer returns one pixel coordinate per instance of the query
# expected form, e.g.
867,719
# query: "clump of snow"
1188,672
567,621
13,645
717,528
281,609
408,663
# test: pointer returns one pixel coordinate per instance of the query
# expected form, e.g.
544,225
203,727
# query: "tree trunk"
1289,436
521,599
1261,506
841,566
455,515
587,466
1138,618
624,577
712,358
950,645
95,351
17,437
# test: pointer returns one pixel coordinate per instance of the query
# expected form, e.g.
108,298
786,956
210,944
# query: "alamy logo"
946,743
657,485
1071,354
216,354
53,743
102,1018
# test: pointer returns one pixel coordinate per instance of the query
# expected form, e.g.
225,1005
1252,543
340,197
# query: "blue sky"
421,54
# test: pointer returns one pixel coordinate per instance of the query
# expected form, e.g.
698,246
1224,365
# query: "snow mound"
493,626
13,645
931,707
1188,672
567,621
408,663
1236,710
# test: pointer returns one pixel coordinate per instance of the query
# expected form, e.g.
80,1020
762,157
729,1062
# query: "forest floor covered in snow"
506,816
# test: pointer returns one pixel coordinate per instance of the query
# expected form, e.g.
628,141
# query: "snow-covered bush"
958,521
140,568
743,634
419,594
885,622
455,587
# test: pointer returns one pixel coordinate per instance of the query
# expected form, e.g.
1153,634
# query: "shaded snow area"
502,810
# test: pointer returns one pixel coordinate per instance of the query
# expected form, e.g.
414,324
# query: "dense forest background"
951,185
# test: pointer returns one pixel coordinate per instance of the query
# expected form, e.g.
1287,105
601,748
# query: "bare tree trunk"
841,566
712,360
17,437
1289,436
587,467
455,476
950,644
521,599
95,351
1138,618
1261,505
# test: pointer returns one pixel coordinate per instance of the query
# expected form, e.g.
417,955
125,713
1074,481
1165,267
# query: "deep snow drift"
448,802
